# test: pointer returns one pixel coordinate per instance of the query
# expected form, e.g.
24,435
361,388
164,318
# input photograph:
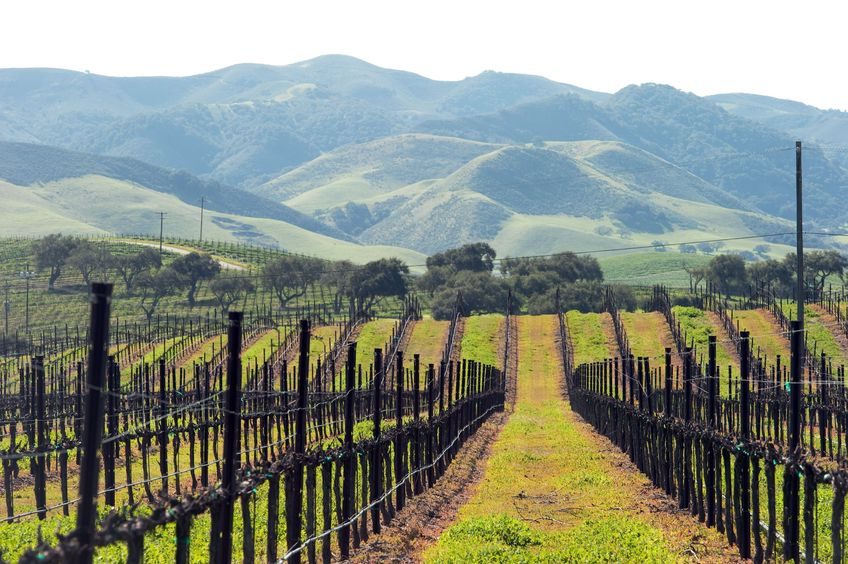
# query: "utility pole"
161,230
799,234
791,498
202,202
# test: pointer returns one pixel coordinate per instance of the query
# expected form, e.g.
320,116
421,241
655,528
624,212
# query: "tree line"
472,269
148,278
534,282
731,274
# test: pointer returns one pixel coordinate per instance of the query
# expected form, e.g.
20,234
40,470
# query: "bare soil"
609,333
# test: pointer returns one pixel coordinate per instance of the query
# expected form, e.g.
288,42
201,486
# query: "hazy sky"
785,49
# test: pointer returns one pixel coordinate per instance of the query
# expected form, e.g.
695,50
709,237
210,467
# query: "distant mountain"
745,158
558,118
246,123
807,123
25,164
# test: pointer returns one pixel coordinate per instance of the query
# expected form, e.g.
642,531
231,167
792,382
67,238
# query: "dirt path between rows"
830,320
691,540
425,517
724,337
552,471
421,524
609,333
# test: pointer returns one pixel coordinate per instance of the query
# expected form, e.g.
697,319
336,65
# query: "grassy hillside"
353,151
738,155
96,204
525,199
380,166
650,268
25,164
747,159
644,172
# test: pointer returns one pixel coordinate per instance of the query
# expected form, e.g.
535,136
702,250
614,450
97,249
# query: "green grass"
648,268
428,340
697,328
547,495
765,334
207,349
480,338
374,335
502,538
155,352
587,337
260,350
820,337
648,334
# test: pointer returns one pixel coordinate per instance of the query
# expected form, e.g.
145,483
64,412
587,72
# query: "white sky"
792,50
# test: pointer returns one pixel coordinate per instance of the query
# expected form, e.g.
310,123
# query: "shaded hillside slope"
25,164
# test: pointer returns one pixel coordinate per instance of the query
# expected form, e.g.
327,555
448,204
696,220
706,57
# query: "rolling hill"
95,204
526,198
746,159
342,149
48,190
25,164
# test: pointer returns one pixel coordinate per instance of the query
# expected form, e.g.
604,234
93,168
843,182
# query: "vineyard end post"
101,298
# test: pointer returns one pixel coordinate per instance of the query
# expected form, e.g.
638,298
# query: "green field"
428,340
587,337
480,338
648,334
765,334
647,268
697,327
820,330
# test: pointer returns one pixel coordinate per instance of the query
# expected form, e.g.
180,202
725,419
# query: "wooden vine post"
101,297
